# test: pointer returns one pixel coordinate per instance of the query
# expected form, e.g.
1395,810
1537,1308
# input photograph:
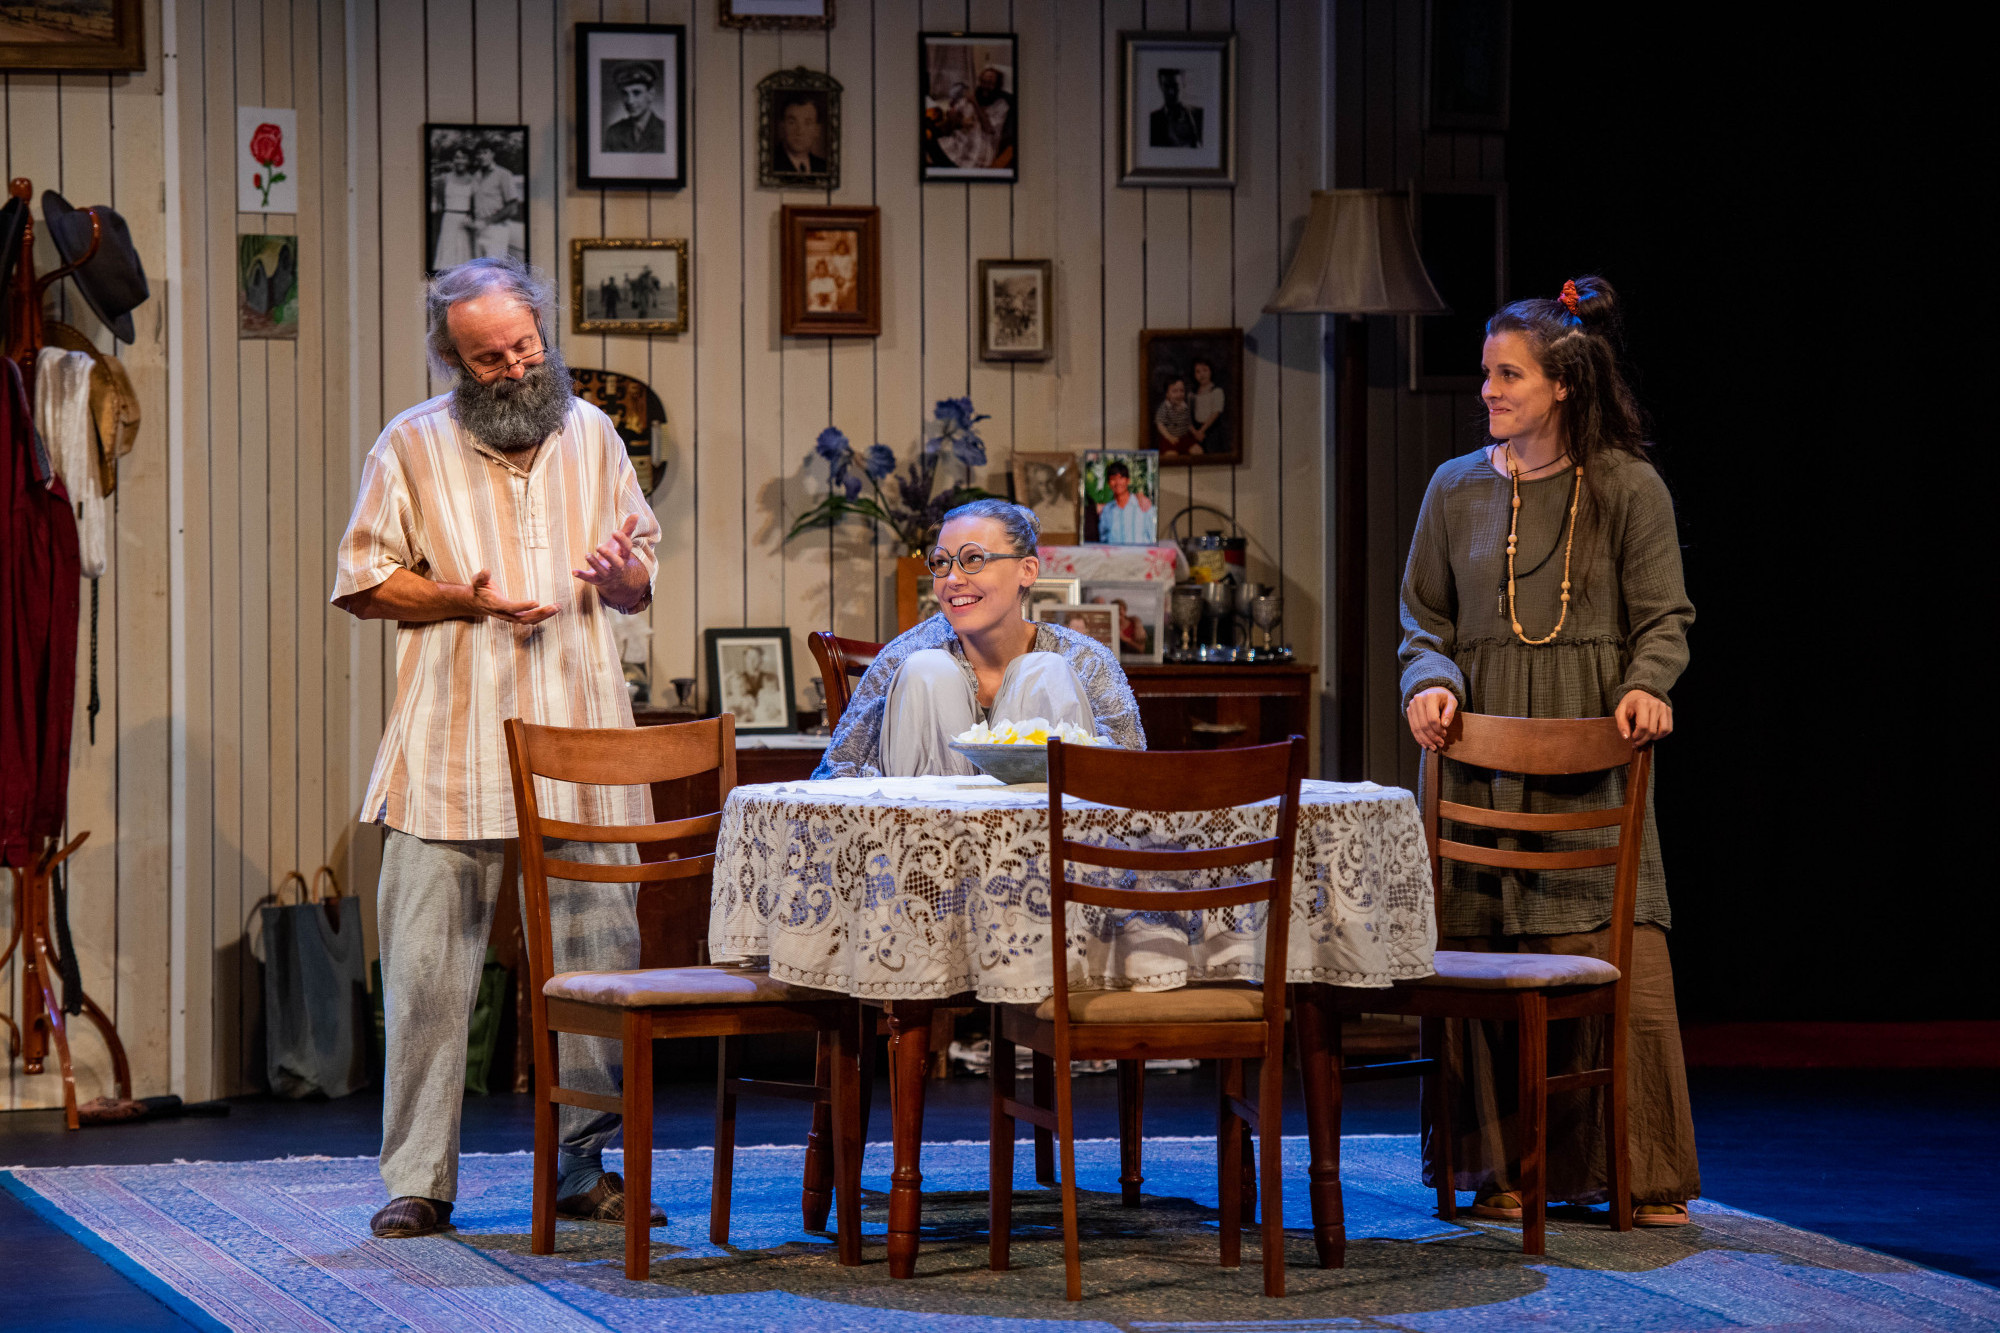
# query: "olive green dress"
1626,630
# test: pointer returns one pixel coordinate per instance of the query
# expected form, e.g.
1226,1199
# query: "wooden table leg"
1045,1097
909,1056
1317,1028
816,1195
1131,1129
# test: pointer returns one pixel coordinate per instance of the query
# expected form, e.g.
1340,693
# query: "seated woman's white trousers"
931,700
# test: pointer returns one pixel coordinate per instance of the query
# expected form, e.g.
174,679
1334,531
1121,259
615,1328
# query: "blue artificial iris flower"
955,413
878,462
970,449
832,446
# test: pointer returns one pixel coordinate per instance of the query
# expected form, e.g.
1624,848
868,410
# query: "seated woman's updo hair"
1023,529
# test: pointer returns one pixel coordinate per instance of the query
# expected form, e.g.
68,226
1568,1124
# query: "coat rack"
42,1021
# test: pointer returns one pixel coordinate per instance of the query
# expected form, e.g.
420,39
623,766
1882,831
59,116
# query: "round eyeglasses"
970,558
491,366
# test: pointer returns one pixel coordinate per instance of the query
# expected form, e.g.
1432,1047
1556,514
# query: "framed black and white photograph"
634,286
798,136
1191,394
631,106
1046,483
476,195
750,675
1461,233
1180,108
1047,593
1014,319
1093,622
1142,614
969,130
775,15
1121,496
102,35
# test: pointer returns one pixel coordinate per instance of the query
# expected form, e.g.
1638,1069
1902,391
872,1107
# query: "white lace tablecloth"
925,888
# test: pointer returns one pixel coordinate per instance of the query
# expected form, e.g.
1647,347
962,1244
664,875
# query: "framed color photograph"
831,280
1180,108
1014,319
798,138
1047,593
775,15
1142,615
98,35
750,675
1461,233
628,286
968,129
631,106
476,202
1121,496
1093,622
267,287
1191,394
1046,483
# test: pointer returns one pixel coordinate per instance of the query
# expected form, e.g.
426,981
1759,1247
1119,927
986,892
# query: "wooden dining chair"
1530,990
641,1006
841,662
1227,1021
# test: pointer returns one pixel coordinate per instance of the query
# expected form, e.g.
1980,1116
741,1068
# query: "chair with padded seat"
1527,989
1226,1021
641,1006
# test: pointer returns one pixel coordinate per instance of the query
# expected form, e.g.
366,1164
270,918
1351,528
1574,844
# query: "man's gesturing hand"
487,601
615,569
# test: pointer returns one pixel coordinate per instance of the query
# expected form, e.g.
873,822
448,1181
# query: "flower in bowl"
1033,731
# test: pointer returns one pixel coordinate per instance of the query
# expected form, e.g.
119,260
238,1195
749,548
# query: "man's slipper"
603,1202
1500,1207
1660,1215
411,1215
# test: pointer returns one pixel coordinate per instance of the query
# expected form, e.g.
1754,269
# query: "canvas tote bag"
316,1007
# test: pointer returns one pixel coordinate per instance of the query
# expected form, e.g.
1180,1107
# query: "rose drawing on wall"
267,146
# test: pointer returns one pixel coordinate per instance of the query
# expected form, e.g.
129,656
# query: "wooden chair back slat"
1507,859
642,872
1529,822
841,662
673,830
1170,900
1543,747
1186,780
623,756
1131,858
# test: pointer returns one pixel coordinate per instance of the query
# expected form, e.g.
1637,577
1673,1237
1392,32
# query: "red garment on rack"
40,569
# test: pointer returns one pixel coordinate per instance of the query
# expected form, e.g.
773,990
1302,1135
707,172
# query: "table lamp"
1357,258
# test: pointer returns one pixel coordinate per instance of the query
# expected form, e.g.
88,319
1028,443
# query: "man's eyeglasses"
492,365
970,558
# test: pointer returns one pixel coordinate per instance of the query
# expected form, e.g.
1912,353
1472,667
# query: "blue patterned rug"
284,1245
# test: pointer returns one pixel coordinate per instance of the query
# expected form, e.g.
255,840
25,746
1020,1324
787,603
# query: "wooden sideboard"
1202,707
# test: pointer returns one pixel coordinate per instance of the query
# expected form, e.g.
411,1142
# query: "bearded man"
481,530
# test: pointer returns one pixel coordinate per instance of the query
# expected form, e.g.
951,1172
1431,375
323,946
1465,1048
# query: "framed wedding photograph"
968,131
1142,615
750,675
476,200
798,130
631,106
1191,395
100,36
775,15
1047,593
1046,483
636,286
1093,622
831,276
1179,99
1121,496
1014,319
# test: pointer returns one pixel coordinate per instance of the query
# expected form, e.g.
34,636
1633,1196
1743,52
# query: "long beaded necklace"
1513,528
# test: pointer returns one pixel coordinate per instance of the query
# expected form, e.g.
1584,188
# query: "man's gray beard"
514,416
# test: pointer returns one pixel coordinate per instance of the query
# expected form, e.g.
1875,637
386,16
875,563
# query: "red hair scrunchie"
1569,297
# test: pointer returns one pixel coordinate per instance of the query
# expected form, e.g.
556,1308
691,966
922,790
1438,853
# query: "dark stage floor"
1872,1158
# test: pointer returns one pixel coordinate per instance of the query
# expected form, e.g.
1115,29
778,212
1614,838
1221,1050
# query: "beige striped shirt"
437,503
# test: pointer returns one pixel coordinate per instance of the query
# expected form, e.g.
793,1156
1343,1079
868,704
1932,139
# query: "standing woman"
1545,581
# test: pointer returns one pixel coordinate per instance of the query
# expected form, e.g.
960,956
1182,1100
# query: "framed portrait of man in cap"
631,106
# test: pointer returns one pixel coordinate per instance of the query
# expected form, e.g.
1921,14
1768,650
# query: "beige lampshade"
1358,258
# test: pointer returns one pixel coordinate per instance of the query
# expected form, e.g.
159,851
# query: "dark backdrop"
1804,313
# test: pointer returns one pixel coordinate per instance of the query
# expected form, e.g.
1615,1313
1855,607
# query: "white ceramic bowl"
1010,763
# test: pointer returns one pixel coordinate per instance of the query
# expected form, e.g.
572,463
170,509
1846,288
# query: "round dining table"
915,892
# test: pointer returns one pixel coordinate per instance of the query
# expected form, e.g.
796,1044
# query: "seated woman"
977,660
